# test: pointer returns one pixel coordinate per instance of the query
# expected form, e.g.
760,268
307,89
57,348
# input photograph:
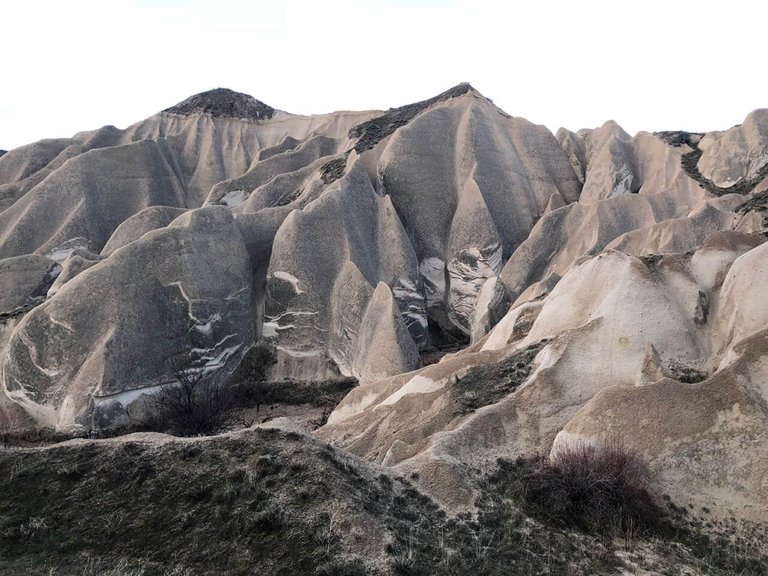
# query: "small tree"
197,403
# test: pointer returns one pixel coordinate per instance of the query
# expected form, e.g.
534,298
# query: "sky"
77,65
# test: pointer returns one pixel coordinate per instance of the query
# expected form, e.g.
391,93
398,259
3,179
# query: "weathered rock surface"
78,261
143,221
350,223
738,153
24,283
591,379
605,283
483,179
115,329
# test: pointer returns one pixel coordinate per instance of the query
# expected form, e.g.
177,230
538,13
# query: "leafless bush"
197,403
599,489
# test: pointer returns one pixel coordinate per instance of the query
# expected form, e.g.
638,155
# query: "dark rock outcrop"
224,103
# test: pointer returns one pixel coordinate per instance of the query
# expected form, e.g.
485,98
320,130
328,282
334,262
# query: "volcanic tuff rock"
186,285
601,283
24,283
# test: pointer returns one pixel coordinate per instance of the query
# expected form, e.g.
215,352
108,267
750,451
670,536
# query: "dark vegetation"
606,491
690,161
679,138
759,203
200,404
195,404
373,131
333,170
596,489
586,511
225,103
265,502
489,383
441,340
687,374
290,197
744,186
327,393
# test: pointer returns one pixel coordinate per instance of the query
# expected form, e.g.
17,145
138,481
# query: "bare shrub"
197,403
597,488
255,364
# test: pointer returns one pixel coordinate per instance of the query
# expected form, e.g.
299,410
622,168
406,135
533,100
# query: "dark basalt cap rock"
374,131
224,103
3,152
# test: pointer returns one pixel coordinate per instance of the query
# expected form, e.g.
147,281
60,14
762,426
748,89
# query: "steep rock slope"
348,237
310,195
738,154
483,179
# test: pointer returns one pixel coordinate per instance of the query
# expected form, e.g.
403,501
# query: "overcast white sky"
675,64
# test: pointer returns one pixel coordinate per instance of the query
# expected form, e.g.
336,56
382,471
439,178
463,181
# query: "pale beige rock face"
738,153
78,261
86,186
707,442
589,269
610,164
575,148
350,223
483,181
134,227
85,354
24,282
383,343
741,310
669,212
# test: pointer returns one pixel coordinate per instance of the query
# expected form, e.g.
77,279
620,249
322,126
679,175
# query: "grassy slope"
263,500
274,502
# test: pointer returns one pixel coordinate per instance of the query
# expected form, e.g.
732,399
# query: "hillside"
271,501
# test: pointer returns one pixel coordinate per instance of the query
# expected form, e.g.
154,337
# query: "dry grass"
281,503
595,488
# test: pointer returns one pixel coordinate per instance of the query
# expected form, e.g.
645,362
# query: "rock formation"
588,284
